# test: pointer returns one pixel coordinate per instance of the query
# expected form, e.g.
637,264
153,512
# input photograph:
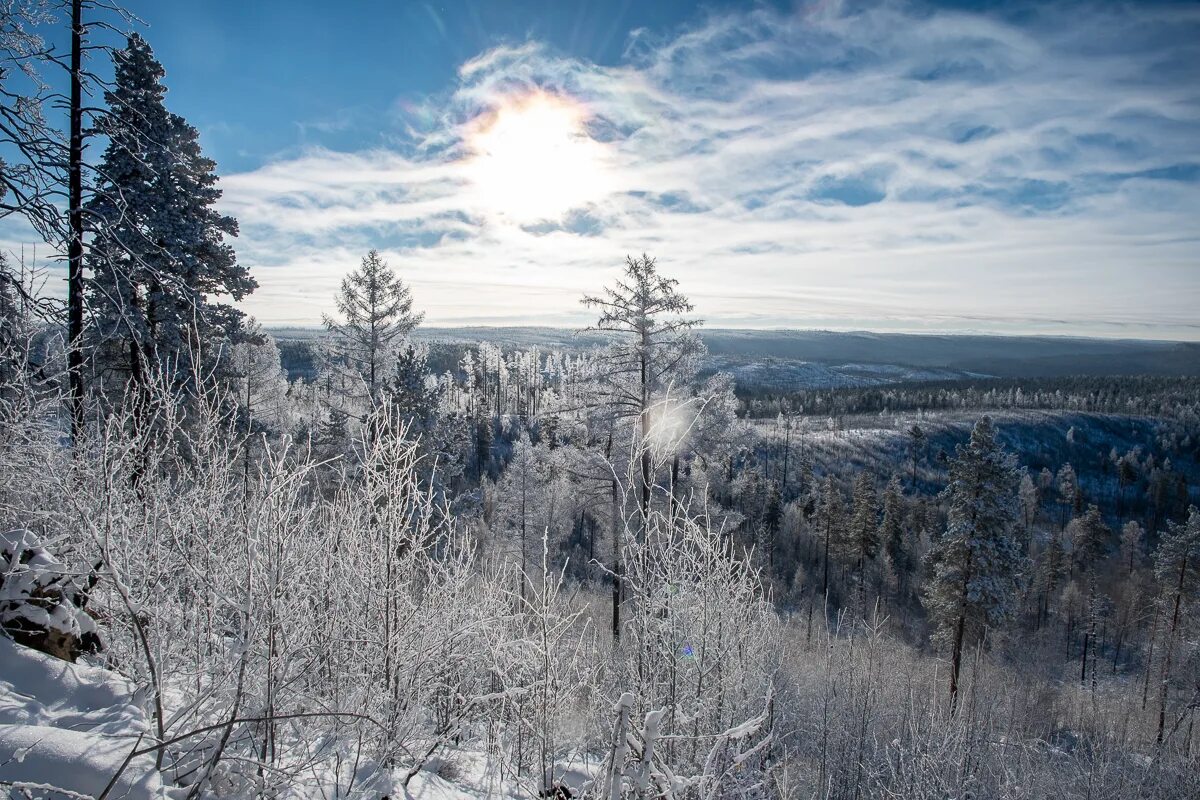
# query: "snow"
36,589
70,726
477,775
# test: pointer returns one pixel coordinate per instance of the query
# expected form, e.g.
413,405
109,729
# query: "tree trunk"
617,567
75,224
956,661
1169,646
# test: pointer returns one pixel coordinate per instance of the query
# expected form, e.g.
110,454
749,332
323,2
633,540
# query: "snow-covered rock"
42,600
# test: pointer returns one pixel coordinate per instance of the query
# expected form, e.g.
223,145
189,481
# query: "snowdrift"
66,729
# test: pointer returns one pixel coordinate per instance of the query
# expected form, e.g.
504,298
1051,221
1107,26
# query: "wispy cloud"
890,166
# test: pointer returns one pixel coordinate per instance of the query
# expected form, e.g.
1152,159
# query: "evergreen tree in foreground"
975,563
158,252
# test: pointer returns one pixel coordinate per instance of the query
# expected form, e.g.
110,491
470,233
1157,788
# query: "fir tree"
977,559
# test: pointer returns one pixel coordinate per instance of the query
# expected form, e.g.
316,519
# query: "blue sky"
1015,168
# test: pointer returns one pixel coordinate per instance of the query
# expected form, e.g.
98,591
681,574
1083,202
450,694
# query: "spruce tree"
976,561
159,253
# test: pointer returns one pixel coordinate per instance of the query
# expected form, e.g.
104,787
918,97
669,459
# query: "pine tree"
1030,503
13,325
1133,538
255,376
918,442
891,533
862,544
829,525
159,252
1126,476
976,561
1051,569
377,314
408,392
1090,540
1068,491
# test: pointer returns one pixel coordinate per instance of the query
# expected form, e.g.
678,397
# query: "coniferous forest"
367,562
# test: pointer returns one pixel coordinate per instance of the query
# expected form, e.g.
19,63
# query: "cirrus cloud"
889,166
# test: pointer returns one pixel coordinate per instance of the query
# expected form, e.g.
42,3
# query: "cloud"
889,166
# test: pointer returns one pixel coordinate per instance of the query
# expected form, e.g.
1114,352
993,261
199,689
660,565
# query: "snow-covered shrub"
697,656
42,601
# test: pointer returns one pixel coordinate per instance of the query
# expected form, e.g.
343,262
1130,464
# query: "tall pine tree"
976,561
158,253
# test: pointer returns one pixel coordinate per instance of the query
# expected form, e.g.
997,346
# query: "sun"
531,158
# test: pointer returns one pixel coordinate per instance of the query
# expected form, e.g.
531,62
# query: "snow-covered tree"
830,519
1031,501
861,545
654,352
1177,567
376,309
1090,541
1133,543
258,381
159,256
892,533
1068,491
976,561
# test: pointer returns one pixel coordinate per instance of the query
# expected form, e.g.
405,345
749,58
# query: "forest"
605,572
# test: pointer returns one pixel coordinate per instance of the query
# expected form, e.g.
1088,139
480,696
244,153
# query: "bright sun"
532,158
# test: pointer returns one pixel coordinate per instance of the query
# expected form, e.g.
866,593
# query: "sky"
950,167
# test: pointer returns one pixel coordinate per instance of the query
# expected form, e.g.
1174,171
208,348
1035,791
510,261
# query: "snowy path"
70,727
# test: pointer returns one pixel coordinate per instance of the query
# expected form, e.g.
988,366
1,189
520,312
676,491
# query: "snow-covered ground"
67,729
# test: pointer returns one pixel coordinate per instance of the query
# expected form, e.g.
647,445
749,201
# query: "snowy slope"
69,726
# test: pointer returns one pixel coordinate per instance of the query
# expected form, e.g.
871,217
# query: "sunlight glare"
532,158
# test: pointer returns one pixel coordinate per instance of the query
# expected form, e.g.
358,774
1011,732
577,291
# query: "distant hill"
783,358
1002,356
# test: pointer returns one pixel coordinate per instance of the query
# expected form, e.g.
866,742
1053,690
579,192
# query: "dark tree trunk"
75,223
